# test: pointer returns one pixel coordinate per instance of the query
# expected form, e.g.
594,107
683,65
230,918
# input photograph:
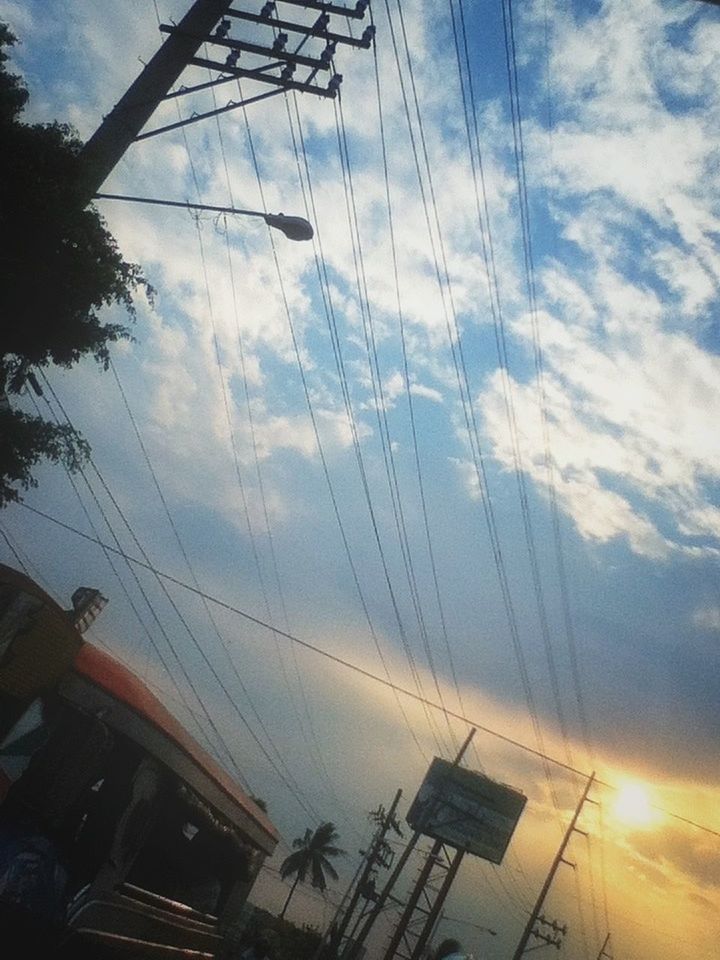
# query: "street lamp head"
294,228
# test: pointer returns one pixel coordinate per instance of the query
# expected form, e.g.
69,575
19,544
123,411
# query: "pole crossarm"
125,121
197,87
286,83
208,22
363,42
356,13
274,52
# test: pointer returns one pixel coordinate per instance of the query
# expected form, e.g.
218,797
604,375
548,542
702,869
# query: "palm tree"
311,854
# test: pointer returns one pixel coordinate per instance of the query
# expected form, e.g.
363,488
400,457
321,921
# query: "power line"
531,285
310,734
327,297
191,571
140,588
380,410
295,790
341,661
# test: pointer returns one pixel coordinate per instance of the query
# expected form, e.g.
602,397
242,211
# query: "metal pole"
295,228
438,905
551,875
382,899
127,118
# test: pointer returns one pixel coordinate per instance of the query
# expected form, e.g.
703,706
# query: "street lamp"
443,917
294,228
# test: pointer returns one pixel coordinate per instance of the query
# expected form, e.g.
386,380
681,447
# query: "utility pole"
208,22
121,126
534,916
374,856
603,952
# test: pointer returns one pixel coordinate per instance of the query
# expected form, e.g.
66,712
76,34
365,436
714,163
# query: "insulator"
321,24
288,72
328,53
223,29
232,58
369,34
361,6
334,83
280,41
267,9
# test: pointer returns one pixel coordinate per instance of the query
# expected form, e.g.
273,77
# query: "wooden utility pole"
371,862
603,952
121,126
529,926
209,22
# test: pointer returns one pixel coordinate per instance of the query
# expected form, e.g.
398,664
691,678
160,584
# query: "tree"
312,853
60,268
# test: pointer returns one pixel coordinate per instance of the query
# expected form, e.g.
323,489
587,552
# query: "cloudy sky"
465,441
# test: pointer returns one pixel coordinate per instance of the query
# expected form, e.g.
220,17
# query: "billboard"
466,809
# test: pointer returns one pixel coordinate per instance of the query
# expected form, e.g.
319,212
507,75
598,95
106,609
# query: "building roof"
203,772
53,652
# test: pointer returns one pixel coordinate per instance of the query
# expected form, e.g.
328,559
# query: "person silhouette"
449,949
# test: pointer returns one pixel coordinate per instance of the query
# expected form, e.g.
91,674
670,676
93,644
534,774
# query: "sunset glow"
632,806
451,465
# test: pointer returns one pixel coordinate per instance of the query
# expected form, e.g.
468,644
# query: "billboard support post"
427,929
392,879
410,906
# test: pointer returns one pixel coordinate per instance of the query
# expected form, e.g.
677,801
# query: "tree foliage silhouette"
60,268
311,855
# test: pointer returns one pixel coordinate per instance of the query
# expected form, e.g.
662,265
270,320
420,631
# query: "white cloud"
419,390
631,398
707,618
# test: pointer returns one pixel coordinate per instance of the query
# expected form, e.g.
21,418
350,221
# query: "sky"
462,448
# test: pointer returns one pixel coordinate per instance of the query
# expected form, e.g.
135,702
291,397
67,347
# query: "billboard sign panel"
466,810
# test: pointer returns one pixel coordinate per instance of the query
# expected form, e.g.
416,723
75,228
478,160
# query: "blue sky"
587,565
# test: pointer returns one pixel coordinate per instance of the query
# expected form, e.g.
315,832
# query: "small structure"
141,843
87,606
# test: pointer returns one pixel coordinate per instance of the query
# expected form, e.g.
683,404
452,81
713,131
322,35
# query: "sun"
632,806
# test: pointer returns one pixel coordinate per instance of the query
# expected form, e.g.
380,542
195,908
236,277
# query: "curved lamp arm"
294,228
